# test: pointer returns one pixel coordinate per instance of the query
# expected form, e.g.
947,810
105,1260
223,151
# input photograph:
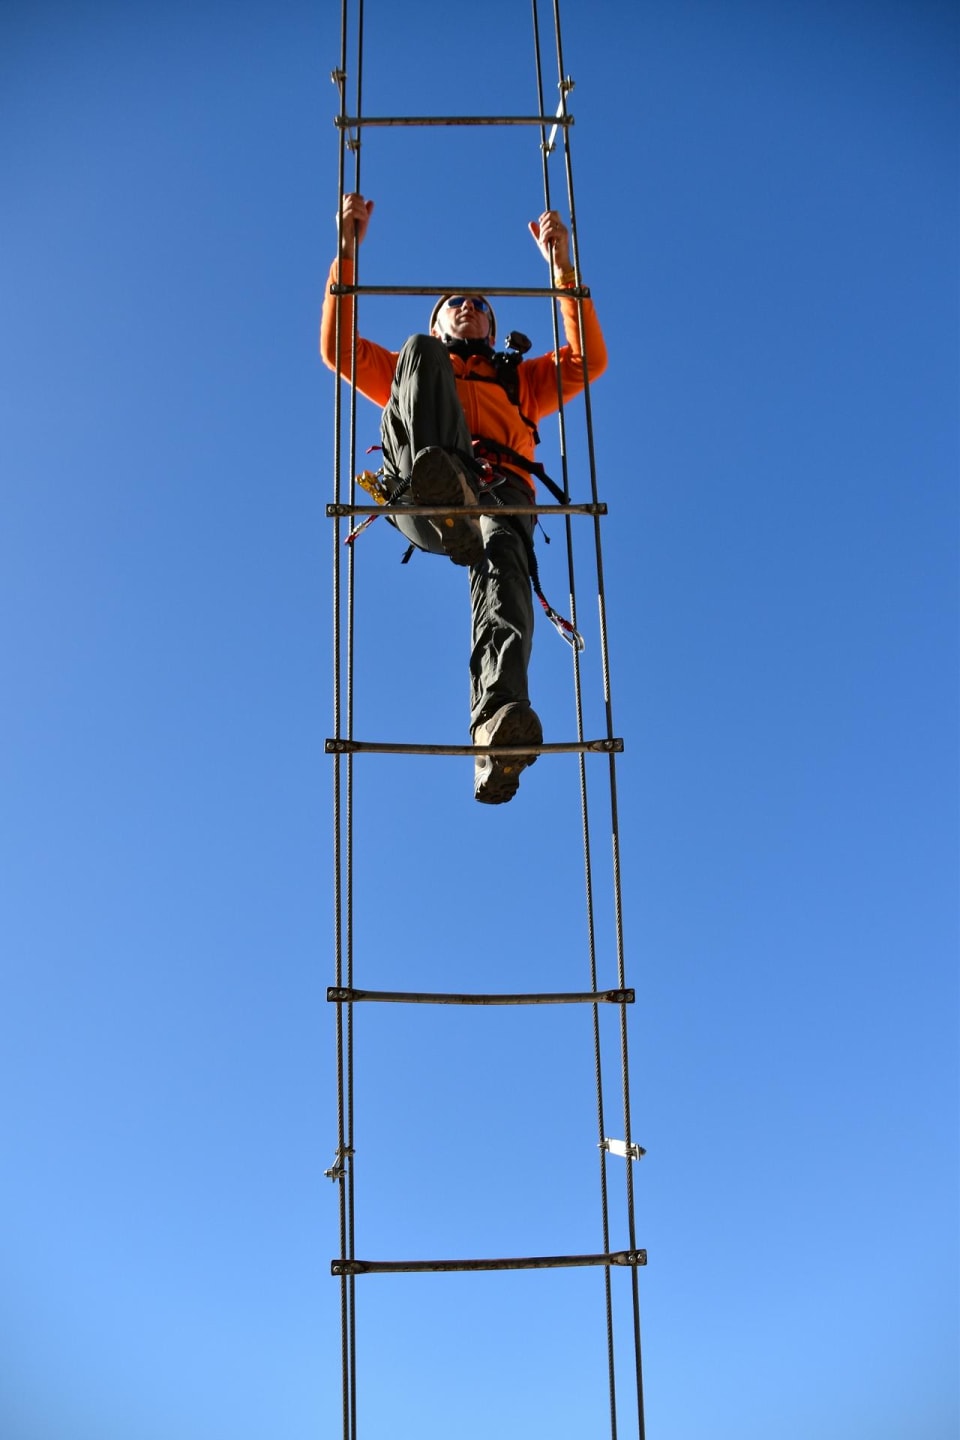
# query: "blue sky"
767,206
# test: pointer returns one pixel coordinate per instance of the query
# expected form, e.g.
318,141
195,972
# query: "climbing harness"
375,483
495,454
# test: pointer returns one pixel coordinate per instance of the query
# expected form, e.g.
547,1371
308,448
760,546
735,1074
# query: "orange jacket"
488,409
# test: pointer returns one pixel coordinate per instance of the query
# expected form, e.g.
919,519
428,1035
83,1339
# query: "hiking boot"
496,779
438,479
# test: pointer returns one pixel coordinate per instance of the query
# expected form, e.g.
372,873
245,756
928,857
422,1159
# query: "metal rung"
344,994
334,745
573,292
353,122
337,512
534,1262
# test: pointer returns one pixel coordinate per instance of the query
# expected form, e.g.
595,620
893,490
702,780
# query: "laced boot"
497,778
437,478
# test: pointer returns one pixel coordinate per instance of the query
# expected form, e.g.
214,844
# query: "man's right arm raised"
375,364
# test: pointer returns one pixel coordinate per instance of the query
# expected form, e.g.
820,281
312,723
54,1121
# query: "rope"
614,808
578,697
343,782
340,1172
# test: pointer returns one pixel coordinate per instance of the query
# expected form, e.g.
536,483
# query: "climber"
450,442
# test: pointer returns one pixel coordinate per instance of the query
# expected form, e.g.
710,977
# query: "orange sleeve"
375,365
583,356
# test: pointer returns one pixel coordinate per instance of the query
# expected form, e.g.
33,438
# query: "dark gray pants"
424,409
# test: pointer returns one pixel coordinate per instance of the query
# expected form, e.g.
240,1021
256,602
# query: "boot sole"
498,780
435,481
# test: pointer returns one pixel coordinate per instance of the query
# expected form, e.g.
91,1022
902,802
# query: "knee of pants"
505,546
421,349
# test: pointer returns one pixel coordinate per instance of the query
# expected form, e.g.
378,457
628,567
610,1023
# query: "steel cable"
614,808
351,616
341,1163
578,694
343,792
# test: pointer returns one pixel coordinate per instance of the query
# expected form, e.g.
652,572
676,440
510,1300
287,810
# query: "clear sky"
767,205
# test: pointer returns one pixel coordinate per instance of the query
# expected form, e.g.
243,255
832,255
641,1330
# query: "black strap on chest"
505,364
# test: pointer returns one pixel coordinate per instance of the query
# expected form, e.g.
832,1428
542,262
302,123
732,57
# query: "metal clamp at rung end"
345,1266
621,1148
337,1169
338,745
347,995
565,86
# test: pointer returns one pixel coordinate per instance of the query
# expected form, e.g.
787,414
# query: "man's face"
463,317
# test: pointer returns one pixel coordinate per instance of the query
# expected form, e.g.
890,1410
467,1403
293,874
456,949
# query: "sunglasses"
455,301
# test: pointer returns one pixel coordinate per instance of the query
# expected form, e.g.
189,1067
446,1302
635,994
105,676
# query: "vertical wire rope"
343,814
342,1169
614,808
351,629
584,805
